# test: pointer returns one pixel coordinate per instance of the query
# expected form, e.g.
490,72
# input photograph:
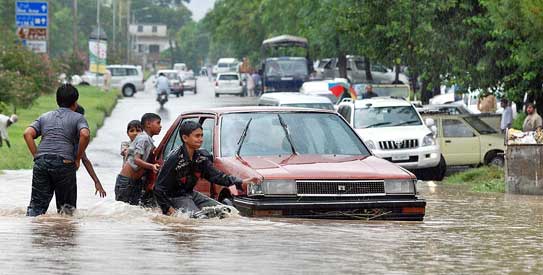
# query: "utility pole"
74,28
128,32
114,3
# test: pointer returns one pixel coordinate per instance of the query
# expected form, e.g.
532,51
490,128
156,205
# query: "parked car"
457,108
321,88
176,86
356,71
467,140
127,78
189,81
394,131
295,100
180,67
313,165
226,65
228,83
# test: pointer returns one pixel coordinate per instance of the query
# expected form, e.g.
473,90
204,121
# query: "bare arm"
146,165
29,136
90,169
84,138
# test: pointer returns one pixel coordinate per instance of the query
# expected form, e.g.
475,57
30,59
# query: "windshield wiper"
406,122
243,135
377,124
287,133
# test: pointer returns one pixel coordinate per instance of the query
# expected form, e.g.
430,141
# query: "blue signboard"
31,8
39,21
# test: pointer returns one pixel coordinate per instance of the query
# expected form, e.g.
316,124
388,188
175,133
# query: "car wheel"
216,95
177,94
436,173
497,160
129,91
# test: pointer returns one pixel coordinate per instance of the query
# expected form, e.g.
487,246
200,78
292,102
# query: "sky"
199,8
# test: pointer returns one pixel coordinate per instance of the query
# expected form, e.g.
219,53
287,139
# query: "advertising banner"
97,56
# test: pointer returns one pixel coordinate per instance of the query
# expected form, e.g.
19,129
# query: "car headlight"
272,188
370,144
429,140
405,186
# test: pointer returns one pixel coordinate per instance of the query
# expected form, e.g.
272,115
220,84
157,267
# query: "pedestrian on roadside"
507,115
130,185
5,123
250,85
257,80
107,80
532,121
132,130
88,164
369,92
55,163
174,188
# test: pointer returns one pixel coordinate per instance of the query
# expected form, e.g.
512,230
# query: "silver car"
356,71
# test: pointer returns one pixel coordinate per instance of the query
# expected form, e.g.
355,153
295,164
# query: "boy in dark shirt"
55,163
181,171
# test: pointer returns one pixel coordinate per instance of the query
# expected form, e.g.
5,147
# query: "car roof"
285,58
381,102
227,60
166,71
256,109
292,97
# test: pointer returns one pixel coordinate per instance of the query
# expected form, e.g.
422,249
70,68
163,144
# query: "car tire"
436,173
128,90
216,95
497,160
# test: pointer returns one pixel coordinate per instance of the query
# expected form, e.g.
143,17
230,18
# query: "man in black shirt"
174,188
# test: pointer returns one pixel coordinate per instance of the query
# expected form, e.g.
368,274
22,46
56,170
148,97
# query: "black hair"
161,74
80,109
149,117
530,104
133,124
67,95
188,127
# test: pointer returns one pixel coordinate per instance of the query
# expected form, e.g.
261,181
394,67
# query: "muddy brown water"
463,232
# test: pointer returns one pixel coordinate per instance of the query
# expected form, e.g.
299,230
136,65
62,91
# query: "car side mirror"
429,122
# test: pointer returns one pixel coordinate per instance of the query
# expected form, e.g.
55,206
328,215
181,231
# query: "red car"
312,163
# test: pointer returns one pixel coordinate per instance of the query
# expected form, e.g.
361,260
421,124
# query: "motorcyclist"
162,85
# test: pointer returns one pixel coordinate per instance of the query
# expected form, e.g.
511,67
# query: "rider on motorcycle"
162,85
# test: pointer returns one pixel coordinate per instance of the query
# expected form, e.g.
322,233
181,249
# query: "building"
148,40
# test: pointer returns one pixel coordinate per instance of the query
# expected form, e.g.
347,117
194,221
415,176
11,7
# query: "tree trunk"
341,60
367,68
74,28
172,61
397,76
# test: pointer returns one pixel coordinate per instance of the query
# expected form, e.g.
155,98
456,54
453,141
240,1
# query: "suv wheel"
129,90
497,160
433,173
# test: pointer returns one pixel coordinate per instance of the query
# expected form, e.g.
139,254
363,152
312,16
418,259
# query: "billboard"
97,55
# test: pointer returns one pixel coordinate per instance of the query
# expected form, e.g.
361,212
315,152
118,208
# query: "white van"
179,67
295,100
226,65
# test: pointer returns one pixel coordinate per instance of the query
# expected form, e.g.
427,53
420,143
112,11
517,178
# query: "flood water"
462,233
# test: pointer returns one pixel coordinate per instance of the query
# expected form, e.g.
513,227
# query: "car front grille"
333,188
403,144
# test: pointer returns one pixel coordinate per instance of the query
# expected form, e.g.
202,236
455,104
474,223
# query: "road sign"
32,20
32,33
26,7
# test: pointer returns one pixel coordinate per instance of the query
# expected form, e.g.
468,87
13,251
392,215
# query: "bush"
482,179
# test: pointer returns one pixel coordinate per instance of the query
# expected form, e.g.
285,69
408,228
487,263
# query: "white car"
127,78
356,71
321,88
295,100
226,65
394,131
228,83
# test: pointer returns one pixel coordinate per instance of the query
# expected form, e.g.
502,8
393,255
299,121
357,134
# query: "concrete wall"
524,169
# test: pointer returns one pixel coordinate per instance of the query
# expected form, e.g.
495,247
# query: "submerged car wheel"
129,90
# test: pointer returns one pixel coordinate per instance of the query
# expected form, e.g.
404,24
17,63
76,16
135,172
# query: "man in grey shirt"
507,115
55,164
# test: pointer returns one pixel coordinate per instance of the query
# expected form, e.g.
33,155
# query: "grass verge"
482,179
97,104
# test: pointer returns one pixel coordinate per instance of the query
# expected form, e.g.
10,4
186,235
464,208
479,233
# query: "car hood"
393,133
318,167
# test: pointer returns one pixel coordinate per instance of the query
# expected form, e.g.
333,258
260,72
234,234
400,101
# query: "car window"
175,139
345,112
132,72
328,65
480,125
208,126
390,116
456,128
378,68
118,71
228,77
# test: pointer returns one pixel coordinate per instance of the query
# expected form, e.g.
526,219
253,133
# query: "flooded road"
463,232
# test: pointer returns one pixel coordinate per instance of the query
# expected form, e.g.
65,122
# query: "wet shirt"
4,127
179,175
142,145
59,131
532,122
162,84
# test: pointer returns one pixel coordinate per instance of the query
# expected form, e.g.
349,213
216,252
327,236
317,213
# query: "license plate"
400,158
287,78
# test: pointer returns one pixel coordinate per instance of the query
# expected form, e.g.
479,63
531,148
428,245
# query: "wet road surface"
463,232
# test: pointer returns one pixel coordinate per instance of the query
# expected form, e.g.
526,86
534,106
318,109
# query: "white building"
148,41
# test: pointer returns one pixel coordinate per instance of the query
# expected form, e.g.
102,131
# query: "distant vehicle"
281,71
228,83
394,131
176,86
467,140
384,90
296,100
356,71
313,165
189,81
320,88
180,67
226,65
457,108
127,78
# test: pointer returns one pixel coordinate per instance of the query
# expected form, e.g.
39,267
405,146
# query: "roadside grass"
482,179
97,104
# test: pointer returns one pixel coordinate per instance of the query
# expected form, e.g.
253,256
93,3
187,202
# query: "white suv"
394,131
127,78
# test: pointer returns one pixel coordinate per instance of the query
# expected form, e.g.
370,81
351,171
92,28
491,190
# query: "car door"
117,76
208,127
459,143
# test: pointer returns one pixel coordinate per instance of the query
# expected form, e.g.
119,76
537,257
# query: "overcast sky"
199,8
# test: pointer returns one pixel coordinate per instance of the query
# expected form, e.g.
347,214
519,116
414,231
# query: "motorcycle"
162,98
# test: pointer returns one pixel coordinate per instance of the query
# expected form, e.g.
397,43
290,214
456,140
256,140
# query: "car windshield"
228,77
311,133
171,76
401,91
222,65
479,125
369,117
286,68
325,106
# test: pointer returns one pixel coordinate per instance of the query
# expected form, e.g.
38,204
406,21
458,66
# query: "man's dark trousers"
52,174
